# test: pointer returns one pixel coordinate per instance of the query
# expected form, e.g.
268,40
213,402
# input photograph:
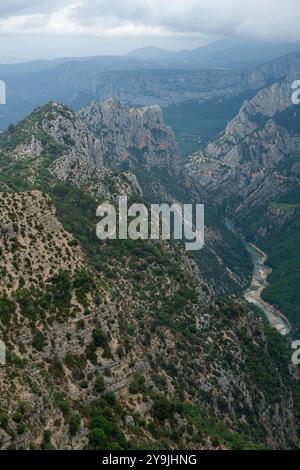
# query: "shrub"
7,309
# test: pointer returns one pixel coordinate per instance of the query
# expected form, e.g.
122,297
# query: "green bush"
7,309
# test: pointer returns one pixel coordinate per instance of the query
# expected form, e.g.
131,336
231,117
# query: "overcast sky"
56,28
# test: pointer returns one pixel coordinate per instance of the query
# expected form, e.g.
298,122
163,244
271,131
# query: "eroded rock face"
132,136
92,148
55,139
66,128
255,159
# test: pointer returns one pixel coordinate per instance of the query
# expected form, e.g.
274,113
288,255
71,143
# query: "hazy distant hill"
29,67
222,54
152,53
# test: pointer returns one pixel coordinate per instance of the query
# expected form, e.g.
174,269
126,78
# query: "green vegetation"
191,423
39,341
105,433
281,219
195,124
218,432
283,250
7,310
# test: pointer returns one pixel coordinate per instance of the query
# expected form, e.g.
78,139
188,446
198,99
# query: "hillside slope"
150,332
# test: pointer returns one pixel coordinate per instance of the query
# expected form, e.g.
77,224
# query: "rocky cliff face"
89,148
173,87
56,140
132,136
256,159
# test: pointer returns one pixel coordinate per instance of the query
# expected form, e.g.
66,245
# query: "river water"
259,283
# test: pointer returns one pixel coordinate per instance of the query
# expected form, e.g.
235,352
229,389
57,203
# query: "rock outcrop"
132,136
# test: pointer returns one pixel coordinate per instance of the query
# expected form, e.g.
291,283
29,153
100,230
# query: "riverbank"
259,283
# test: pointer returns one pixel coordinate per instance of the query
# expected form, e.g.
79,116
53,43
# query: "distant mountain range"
222,54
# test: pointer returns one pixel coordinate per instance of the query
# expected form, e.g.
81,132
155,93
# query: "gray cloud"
156,22
261,18
29,7
271,19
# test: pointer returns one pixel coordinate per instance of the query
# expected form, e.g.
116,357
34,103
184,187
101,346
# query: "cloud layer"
264,19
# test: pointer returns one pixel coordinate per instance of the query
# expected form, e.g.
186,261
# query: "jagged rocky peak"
113,112
106,135
67,128
265,105
132,136
51,124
